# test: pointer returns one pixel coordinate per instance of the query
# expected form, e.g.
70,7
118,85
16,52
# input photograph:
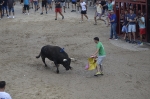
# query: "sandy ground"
126,67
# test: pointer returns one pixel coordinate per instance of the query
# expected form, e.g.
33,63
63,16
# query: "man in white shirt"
3,94
83,10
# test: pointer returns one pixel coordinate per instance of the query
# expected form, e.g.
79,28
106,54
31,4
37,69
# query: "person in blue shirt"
113,21
26,6
74,2
132,25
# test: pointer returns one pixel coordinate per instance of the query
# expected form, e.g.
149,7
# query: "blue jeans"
4,7
113,30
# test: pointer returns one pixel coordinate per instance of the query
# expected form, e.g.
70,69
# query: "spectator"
132,25
63,5
31,4
3,94
101,55
67,2
35,4
74,2
21,2
58,9
98,12
26,6
125,25
110,6
11,4
1,3
78,5
103,3
49,2
83,10
113,21
5,7
141,22
44,5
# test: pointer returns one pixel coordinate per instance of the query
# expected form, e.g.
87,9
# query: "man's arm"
112,19
95,54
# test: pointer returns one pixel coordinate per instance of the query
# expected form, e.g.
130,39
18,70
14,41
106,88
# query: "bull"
57,55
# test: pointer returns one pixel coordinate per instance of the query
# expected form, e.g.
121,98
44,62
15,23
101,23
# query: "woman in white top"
98,12
83,10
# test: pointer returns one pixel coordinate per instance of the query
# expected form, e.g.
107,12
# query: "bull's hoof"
57,72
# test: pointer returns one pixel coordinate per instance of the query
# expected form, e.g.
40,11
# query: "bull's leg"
43,59
57,66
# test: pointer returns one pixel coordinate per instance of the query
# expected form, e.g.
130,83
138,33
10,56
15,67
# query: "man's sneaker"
55,19
63,17
41,13
8,17
72,10
98,73
116,39
46,12
13,17
130,41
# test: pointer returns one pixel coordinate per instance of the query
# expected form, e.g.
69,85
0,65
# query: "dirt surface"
126,71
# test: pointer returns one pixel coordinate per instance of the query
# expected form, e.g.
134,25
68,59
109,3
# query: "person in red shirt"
58,9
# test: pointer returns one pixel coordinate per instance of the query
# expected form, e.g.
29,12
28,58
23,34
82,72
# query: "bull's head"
66,64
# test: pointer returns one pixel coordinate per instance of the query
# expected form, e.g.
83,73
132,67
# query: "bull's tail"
38,56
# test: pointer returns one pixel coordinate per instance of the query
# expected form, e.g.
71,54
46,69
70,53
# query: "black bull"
55,54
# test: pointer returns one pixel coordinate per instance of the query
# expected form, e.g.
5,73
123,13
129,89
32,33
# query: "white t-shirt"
4,95
83,6
99,9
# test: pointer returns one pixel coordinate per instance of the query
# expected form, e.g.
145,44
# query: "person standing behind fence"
132,26
3,94
11,4
113,21
125,25
141,22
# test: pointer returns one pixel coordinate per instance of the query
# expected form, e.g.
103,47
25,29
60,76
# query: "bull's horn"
64,60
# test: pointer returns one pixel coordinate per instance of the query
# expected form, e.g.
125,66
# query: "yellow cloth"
92,63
